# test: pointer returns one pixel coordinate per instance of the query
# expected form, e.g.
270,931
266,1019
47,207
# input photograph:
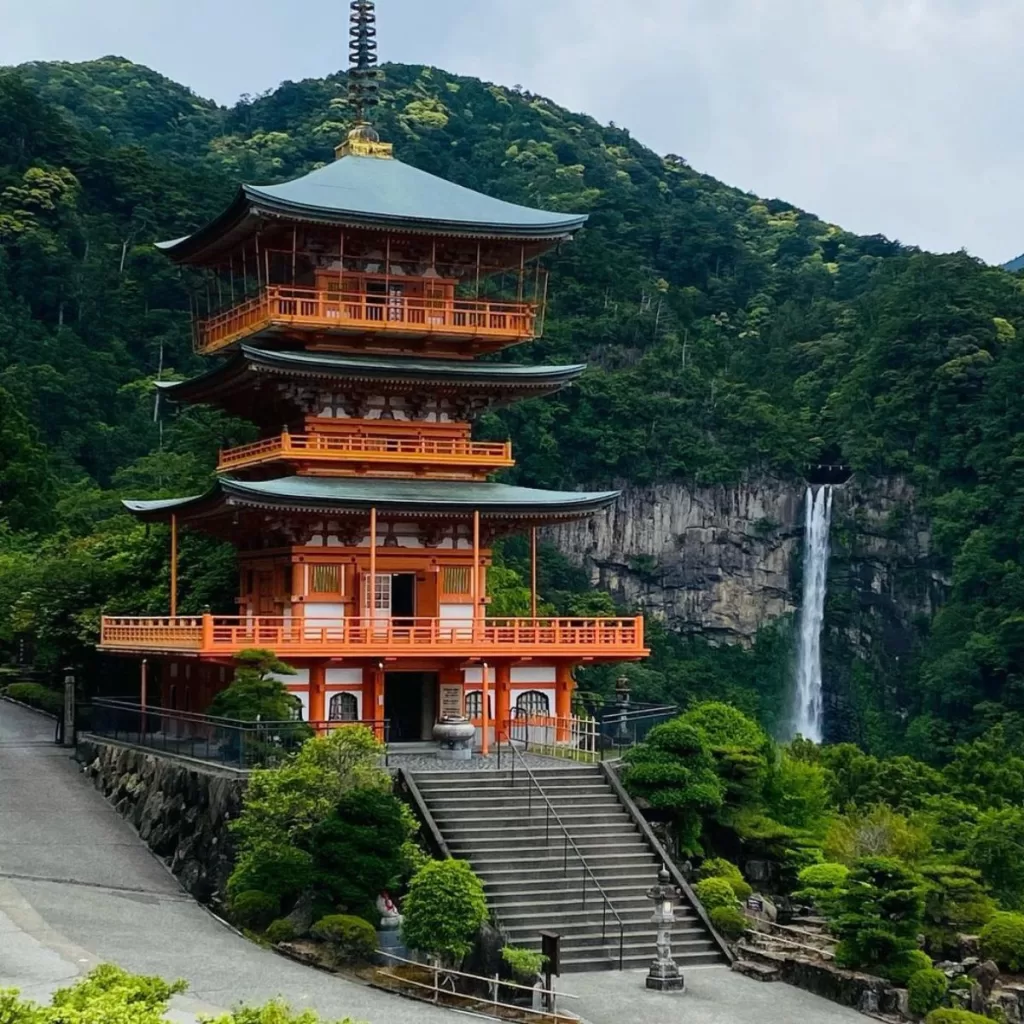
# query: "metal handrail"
567,841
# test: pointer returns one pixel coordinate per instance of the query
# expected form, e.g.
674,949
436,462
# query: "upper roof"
360,191
334,495
504,379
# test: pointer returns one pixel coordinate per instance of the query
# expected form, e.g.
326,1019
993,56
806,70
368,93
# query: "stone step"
758,955
530,846
513,802
757,971
612,831
493,782
620,898
570,819
583,961
489,862
804,936
693,941
779,944
628,882
535,874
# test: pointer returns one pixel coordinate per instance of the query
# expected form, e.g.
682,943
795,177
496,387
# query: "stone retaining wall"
180,809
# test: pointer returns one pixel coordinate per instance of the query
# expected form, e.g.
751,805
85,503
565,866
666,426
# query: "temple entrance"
403,598
410,705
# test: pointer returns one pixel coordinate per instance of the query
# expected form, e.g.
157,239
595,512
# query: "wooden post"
522,270
485,742
533,572
143,688
231,270
174,565
502,698
259,283
372,597
317,692
478,270
563,700
295,249
476,570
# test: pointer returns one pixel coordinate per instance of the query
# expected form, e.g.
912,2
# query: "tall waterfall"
807,717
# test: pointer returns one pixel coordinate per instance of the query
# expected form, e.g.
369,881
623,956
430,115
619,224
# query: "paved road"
78,888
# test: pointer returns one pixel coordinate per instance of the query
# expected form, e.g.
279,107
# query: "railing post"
206,635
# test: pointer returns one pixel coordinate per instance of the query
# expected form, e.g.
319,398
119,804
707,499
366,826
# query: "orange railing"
308,307
227,634
363,448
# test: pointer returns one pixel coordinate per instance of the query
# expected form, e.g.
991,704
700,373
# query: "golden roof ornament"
363,84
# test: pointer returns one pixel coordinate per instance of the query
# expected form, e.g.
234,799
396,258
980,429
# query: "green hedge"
36,696
955,1017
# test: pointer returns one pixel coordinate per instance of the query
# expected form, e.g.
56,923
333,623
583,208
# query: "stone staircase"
535,883
764,952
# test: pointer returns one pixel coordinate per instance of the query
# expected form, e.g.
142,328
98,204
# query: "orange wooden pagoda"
354,302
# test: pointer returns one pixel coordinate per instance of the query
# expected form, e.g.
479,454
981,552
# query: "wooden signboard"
451,700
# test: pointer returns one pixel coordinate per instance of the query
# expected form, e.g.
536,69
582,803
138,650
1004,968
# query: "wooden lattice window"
325,579
474,704
533,703
343,708
455,579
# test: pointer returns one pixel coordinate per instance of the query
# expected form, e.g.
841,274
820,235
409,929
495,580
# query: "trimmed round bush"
823,876
716,867
905,965
254,909
926,990
715,892
444,909
281,930
729,921
1002,940
955,1017
351,939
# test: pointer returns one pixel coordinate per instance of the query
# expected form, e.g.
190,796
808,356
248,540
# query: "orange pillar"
317,691
533,572
174,565
502,699
371,611
564,685
485,710
377,714
477,603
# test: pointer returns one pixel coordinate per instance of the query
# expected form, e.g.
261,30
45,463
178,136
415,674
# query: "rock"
1004,1005
485,958
968,946
869,1002
761,872
181,811
959,999
301,917
767,911
986,975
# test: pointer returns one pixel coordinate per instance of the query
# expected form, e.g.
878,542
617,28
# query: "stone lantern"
622,694
664,975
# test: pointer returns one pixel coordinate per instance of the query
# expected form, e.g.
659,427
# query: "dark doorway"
403,597
409,705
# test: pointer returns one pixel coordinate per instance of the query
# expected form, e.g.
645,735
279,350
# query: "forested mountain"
726,334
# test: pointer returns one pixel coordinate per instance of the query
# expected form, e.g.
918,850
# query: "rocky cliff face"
722,562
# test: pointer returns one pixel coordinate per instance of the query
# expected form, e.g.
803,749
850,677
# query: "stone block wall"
181,810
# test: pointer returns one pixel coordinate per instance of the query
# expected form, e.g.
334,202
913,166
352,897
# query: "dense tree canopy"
726,334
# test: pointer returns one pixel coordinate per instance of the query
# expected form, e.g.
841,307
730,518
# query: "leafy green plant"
878,914
674,771
820,884
947,1016
443,910
717,867
905,965
254,694
729,921
350,939
996,849
36,696
1002,940
926,990
955,903
274,1012
525,964
281,930
715,892
254,909
358,850
877,831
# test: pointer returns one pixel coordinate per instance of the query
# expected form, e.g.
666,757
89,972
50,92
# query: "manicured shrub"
716,867
820,884
281,930
255,694
729,921
254,909
996,849
946,1016
961,984
36,696
443,910
926,990
274,867
525,964
955,903
905,965
358,851
351,939
877,915
715,892
1002,940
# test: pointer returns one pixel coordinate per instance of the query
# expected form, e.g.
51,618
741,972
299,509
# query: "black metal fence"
222,741
621,727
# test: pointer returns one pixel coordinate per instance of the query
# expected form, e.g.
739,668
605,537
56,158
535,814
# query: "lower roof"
503,378
340,495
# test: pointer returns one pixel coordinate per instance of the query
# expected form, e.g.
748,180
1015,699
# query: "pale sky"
893,116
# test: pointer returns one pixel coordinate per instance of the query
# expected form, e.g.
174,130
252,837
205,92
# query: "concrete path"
78,888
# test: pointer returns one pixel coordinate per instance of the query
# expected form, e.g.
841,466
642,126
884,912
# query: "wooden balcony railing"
278,305
365,637
370,449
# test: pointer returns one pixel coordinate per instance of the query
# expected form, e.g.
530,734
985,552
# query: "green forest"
726,335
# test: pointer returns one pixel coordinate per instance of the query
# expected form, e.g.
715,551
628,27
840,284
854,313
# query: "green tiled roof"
332,495
535,380
367,192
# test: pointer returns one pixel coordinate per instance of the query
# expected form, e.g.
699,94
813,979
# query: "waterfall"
807,717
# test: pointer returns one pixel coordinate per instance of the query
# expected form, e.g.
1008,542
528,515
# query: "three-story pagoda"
355,302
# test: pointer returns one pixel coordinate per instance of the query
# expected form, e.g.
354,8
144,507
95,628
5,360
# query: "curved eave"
328,497
537,380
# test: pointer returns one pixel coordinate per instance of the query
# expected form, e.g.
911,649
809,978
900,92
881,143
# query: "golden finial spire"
363,83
